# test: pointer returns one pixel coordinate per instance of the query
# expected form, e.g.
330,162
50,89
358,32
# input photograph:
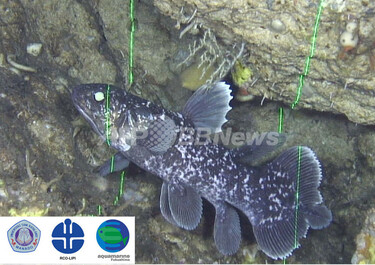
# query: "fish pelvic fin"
180,205
289,202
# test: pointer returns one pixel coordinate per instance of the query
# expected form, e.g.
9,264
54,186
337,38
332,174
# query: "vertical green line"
121,188
130,81
112,168
108,117
293,105
281,120
297,196
107,104
131,42
308,59
122,184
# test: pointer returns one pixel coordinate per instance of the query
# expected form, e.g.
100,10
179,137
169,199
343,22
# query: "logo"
112,236
23,237
68,237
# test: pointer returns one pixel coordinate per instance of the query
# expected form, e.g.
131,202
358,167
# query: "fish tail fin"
289,202
125,240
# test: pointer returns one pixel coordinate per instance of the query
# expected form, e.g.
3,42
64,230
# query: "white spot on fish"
99,96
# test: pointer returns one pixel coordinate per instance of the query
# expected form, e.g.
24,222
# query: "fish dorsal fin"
208,106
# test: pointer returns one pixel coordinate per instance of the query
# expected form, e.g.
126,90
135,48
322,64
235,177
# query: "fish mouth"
79,102
90,121
77,98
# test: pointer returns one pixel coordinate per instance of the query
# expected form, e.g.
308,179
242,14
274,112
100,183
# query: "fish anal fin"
227,230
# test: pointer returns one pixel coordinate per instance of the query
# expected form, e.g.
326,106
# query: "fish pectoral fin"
208,106
160,135
227,229
164,204
117,162
185,206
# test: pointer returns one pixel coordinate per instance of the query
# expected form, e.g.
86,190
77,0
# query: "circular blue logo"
112,236
68,237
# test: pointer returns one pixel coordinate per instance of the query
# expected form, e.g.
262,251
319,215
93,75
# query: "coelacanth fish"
281,199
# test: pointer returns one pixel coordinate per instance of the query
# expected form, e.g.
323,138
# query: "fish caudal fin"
289,202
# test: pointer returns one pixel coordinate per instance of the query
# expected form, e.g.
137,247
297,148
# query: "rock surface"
277,35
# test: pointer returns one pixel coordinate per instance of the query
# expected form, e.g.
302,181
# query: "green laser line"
297,196
121,188
107,117
308,59
108,140
107,105
281,120
112,168
115,202
131,41
122,184
130,80
293,105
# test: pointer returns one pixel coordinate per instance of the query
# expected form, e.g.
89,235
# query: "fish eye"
99,96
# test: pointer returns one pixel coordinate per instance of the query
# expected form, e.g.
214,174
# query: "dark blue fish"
281,199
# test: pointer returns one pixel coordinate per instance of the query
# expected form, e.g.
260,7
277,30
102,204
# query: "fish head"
113,113
101,233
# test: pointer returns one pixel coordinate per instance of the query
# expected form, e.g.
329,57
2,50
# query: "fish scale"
169,145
